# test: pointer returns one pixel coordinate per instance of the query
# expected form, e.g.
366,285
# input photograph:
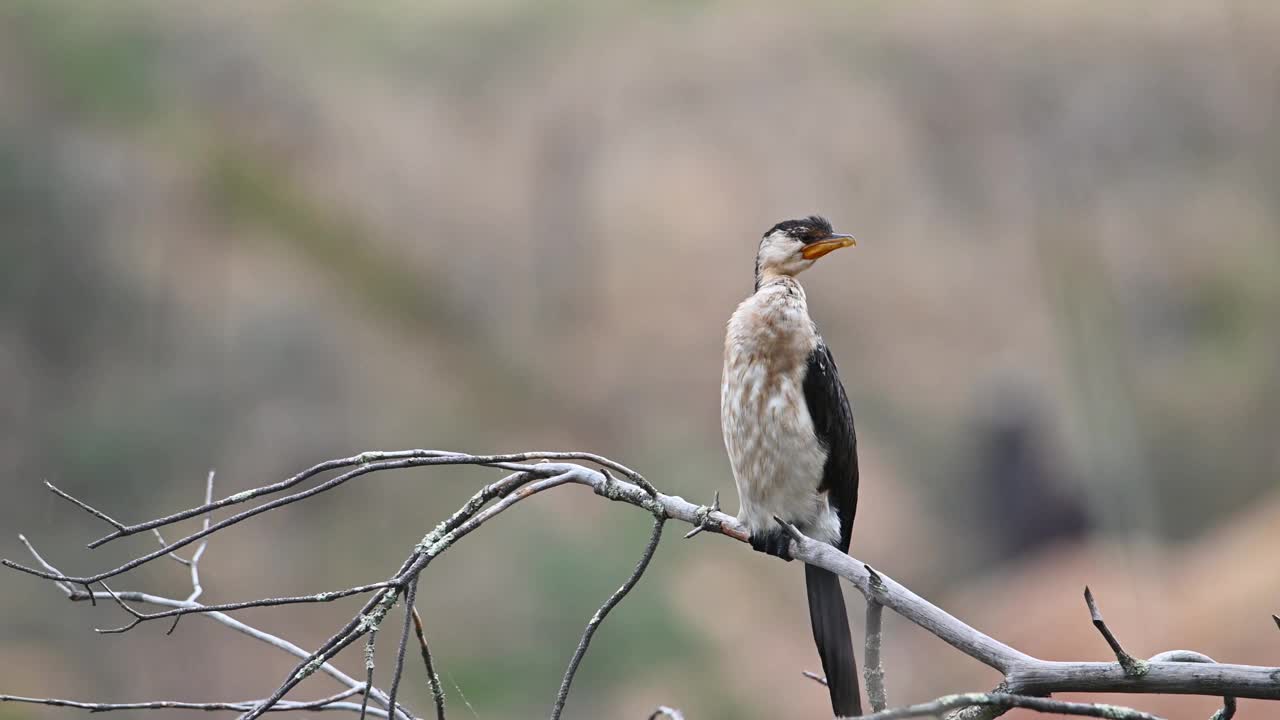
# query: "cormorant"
789,433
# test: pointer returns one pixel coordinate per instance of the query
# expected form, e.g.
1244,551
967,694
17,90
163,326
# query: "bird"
789,433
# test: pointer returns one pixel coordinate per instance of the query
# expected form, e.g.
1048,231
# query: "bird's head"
793,246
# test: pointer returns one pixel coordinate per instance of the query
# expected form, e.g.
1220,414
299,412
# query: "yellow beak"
815,250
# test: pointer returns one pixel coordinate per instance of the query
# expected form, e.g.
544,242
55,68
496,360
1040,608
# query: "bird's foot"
776,542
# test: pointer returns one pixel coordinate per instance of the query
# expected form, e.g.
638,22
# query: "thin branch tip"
1132,666
84,506
814,677
791,530
433,678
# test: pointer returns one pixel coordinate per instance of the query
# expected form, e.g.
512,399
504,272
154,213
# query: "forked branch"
1027,680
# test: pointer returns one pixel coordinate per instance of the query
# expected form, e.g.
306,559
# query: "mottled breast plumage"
777,459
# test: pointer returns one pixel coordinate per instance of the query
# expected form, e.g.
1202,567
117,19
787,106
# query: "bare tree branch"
196,589
473,514
1026,679
333,702
428,457
1132,666
702,522
411,593
370,646
981,712
366,621
873,666
433,679
1002,700
63,586
466,520
194,608
239,517
1228,710
222,618
83,506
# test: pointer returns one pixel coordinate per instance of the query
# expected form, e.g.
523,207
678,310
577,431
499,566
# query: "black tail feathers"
835,643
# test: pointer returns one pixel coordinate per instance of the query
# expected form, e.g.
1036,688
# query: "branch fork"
1027,680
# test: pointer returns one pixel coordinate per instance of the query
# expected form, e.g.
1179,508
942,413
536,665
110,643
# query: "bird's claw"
775,542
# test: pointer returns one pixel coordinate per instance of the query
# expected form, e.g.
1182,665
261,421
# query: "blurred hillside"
252,236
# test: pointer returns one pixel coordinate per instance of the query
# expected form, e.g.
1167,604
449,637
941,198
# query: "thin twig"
120,601
254,493
410,595
365,621
230,622
175,556
603,612
193,608
433,679
369,647
248,630
240,517
1039,704
511,490
814,677
333,702
436,543
84,506
196,588
1133,667
195,576
377,459
64,587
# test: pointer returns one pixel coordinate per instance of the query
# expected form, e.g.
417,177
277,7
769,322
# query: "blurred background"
253,236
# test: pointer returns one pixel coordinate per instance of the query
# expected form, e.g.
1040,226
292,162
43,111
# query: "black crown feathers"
814,227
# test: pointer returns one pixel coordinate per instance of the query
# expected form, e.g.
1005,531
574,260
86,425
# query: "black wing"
833,424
